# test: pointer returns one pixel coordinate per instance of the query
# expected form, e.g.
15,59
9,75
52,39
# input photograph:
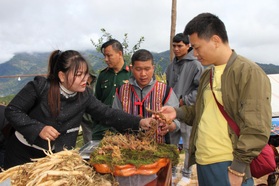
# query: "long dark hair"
66,62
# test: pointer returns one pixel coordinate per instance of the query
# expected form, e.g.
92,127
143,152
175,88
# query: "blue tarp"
275,127
274,80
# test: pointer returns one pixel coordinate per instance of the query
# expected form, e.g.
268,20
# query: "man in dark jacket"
183,75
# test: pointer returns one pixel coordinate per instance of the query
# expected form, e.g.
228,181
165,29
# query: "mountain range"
13,72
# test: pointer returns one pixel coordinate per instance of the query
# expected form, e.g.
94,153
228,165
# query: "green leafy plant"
6,100
128,52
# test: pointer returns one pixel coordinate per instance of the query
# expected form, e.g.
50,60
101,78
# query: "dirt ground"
194,181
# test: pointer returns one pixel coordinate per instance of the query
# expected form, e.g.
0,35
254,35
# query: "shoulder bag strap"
230,121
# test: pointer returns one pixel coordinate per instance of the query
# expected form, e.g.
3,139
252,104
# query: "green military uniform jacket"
106,86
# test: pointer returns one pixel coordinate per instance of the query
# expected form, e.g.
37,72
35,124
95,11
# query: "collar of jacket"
186,58
206,73
231,59
133,82
124,67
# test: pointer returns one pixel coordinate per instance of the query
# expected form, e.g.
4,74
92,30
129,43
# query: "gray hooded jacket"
183,76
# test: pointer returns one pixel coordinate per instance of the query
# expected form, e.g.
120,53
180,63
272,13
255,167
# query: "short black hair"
142,55
116,45
181,37
206,25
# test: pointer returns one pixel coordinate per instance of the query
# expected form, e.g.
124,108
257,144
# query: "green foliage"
159,72
6,100
105,37
125,43
79,142
135,156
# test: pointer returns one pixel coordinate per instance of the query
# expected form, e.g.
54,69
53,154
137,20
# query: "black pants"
17,153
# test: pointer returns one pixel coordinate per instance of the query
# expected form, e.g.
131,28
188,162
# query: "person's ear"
120,54
61,76
216,40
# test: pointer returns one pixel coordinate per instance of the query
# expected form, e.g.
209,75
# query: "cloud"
68,24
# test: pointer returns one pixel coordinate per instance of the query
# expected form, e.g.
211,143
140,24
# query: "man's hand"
165,128
168,112
235,180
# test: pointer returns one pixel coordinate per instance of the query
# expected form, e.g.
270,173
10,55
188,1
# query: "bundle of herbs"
136,149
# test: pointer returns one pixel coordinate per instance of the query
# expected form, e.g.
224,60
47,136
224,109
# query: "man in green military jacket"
114,75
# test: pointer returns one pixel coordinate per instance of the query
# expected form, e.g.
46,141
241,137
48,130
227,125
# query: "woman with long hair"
51,109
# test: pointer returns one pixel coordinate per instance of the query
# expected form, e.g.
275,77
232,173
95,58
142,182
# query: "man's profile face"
204,50
112,57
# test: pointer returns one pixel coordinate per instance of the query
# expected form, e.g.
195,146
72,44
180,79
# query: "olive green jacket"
246,94
108,81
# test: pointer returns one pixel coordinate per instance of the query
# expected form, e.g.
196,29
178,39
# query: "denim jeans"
216,174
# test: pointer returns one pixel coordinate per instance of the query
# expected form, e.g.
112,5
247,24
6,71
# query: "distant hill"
36,63
33,63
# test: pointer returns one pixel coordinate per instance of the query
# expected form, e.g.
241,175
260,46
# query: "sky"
43,26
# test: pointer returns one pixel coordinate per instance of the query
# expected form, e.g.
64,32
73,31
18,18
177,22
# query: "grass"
79,142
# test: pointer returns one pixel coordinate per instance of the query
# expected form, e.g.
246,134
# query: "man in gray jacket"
183,75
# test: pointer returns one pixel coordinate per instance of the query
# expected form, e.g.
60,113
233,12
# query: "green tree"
125,43
6,100
160,75
128,52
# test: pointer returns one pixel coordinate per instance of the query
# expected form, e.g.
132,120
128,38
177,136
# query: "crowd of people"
51,109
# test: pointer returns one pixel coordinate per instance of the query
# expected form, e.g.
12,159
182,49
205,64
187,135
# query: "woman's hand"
145,123
49,133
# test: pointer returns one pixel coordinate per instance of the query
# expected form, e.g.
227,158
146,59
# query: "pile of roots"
118,149
63,168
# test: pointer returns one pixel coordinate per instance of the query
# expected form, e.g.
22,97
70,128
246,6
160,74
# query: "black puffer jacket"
28,113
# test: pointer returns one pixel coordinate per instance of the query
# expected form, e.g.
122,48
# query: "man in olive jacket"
244,90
